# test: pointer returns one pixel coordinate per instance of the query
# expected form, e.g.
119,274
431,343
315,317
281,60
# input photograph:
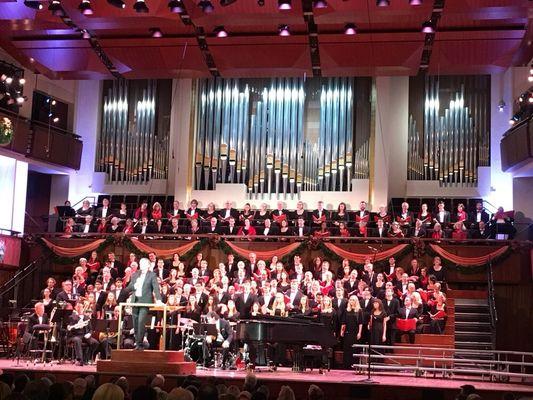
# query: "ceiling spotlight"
140,6
260,3
36,5
415,2
284,30
350,29
9,80
382,3
530,78
117,3
55,8
531,71
156,32
53,102
206,6
56,120
22,81
320,4
176,6
225,3
20,99
221,32
501,105
85,34
85,7
427,27
284,5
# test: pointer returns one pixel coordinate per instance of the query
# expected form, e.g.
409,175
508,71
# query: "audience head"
109,391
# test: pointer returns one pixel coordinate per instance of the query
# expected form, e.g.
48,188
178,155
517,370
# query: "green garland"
128,244
465,269
188,256
380,264
57,259
222,245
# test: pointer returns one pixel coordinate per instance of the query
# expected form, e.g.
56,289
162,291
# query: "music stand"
60,319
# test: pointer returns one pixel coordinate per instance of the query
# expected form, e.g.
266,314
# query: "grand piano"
292,331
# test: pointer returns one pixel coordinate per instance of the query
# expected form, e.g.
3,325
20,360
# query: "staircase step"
472,326
474,354
462,302
475,317
473,345
473,336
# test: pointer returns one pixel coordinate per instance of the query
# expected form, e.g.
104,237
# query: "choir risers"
146,362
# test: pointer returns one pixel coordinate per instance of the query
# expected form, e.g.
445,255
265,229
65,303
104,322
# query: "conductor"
144,287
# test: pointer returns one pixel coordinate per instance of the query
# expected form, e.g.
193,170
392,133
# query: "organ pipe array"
453,138
252,132
131,148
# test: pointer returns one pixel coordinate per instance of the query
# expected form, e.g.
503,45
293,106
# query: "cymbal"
187,321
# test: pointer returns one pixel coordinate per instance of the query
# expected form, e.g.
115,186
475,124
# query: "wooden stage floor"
337,384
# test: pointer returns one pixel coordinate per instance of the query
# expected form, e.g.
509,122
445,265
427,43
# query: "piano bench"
313,357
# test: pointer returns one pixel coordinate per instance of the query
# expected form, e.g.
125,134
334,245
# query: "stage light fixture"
85,34
415,2
85,7
156,32
221,32
9,80
260,3
501,106
36,5
22,81
284,5
56,120
284,30
428,27
141,7
55,8
382,3
176,6
320,4
350,29
20,99
206,6
530,78
117,3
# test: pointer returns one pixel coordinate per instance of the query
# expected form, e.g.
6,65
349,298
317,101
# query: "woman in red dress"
247,229
437,233
323,232
461,213
157,211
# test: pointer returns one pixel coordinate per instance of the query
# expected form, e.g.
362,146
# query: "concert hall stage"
336,384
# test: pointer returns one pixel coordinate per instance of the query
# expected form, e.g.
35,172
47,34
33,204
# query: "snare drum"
194,348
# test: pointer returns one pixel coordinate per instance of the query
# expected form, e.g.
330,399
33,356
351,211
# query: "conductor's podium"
146,362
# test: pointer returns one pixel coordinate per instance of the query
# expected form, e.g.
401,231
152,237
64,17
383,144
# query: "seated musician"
224,336
270,230
79,331
36,325
114,227
88,226
108,339
405,218
227,212
323,232
395,231
406,320
424,216
418,231
362,214
319,216
247,229
459,231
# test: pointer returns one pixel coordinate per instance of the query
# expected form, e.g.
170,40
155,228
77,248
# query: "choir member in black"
84,210
378,323
36,325
405,218
383,215
230,312
227,212
319,215
300,212
391,306
88,226
407,312
424,216
224,336
256,311
142,227
438,270
269,229
193,228
245,300
173,228
341,215
231,229
51,286
114,227
395,231
193,310
104,212
262,214
328,316
209,213
481,232
193,212
418,231
479,215
378,288
381,229
438,315
246,213
442,216
284,229
78,332
300,229
351,330
123,214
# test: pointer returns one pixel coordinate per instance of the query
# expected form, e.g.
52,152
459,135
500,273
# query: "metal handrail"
82,200
491,297
447,349
20,276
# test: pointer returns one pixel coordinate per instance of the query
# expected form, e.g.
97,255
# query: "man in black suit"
339,304
405,313
442,216
116,265
79,331
160,270
391,306
479,215
66,294
268,229
100,295
213,227
104,211
320,214
224,336
226,213
300,229
199,293
245,300
294,294
143,227
173,228
144,288
88,226
366,301
231,229
380,230
482,232
37,322
418,231
121,294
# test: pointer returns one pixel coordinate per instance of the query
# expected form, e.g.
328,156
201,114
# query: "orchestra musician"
36,325
224,336
79,330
